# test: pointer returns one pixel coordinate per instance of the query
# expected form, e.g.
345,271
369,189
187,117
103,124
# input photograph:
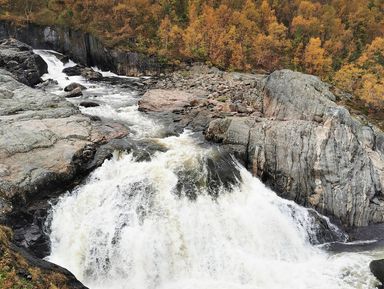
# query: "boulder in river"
73,86
159,100
86,72
74,93
89,104
47,83
19,59
90,74
377,269
73,70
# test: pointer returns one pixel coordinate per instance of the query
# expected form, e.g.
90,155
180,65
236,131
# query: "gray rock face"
82,48
44,141
19,59
310,150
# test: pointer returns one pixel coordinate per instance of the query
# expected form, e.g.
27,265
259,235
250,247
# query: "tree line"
342,41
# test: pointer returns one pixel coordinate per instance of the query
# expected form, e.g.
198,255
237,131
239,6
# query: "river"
131,224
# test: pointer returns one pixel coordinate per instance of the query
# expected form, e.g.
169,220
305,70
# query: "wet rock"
323,231
19,59
74,93
89,104
222,173
73,86
86,72
377,269
63,58
46,83
90,74
74,70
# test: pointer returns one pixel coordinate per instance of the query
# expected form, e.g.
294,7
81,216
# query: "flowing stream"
131,225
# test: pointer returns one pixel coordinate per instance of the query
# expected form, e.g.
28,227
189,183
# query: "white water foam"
126,228
115,103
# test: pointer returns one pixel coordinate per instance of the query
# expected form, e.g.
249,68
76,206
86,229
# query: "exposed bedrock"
309,149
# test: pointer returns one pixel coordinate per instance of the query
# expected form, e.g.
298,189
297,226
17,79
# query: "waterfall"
130,225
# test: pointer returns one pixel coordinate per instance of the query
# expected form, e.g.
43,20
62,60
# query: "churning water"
132,226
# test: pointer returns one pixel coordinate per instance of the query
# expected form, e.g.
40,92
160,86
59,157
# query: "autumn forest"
342,41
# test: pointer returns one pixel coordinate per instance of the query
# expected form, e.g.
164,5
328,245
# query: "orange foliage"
338,40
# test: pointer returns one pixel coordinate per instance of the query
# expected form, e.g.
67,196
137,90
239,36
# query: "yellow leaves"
277,30
373,54
171,38
308,9
306,26
348,78
315,59
365,76
269,52
372,90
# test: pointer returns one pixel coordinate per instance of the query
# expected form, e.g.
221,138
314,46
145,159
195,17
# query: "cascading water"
131,226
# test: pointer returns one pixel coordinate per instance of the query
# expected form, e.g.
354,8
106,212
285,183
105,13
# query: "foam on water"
126,228
115,103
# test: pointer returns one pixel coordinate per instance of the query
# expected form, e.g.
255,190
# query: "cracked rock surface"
309,149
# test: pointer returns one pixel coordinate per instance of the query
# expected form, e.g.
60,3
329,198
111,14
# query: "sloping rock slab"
44,140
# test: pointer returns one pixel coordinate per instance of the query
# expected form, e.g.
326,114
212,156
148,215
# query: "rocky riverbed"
286,128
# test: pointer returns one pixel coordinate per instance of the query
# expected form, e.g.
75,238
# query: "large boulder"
159,100
74,93
86,72
309,149
73,70
377,269
73,86
90,74
19,59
